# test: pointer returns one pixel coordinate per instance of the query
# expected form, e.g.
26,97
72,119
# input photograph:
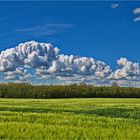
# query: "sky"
107,32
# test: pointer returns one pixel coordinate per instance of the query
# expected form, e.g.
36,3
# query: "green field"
70,118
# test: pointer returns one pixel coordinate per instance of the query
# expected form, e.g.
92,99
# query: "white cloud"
46,29
20,74
45,59
31,54
36,61
136,11
115,5
20,13
137,19
129,70
79,65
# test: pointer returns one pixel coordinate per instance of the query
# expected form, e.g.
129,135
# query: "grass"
70,118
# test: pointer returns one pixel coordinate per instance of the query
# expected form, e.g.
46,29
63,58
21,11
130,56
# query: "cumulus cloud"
42,61
45,59
32,54
79,65
19,74
128,70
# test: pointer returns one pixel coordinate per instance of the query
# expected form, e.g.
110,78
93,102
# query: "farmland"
90,118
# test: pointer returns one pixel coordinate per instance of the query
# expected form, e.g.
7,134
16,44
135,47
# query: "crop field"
91,118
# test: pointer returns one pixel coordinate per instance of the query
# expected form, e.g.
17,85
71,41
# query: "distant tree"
25,90
115,84
82,84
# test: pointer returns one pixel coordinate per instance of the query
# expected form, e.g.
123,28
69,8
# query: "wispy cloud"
46,29
137,19
19,13
136,11
115,5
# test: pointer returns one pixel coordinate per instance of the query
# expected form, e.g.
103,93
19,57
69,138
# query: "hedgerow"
12,90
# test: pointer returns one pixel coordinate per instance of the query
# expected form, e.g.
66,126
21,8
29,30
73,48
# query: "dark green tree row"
66,91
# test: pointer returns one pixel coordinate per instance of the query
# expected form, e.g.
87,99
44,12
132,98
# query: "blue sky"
105,31
96,30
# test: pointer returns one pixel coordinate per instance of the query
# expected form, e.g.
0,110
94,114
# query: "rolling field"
96,118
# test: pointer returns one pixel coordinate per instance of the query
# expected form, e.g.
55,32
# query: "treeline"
66,91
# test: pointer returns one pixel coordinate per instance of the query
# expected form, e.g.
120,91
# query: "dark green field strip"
66,119
133,113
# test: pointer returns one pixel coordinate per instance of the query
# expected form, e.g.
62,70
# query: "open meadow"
91,118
